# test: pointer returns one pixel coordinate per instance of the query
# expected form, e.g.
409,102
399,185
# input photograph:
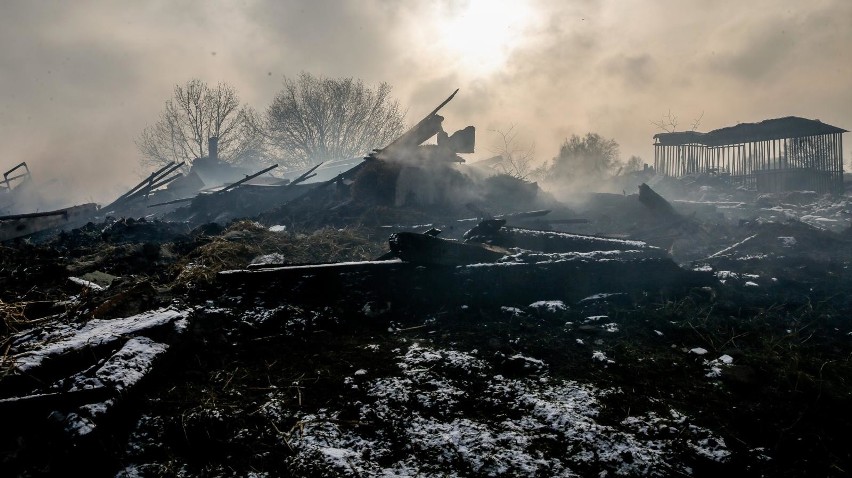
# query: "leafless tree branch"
668,123
314,119
195,113
516,159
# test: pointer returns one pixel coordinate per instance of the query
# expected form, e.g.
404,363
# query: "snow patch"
33,347
549,306
86,283
131,363
447,440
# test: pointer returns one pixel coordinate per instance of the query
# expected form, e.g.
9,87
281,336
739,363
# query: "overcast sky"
80,80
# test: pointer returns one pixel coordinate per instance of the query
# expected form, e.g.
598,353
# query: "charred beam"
245,179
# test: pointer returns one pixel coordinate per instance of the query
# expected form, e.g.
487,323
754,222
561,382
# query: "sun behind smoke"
480,34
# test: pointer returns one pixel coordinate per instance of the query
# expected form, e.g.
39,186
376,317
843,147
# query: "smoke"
82,79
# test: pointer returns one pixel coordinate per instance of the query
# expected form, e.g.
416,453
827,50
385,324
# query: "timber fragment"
656,203
495,232
431,250
20,225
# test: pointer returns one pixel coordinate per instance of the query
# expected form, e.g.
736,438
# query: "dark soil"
281,378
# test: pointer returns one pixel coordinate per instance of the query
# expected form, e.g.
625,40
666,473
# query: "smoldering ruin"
411,313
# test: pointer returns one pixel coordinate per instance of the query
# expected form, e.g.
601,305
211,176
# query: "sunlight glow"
480,34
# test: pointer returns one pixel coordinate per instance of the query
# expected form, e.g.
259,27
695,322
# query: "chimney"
213,148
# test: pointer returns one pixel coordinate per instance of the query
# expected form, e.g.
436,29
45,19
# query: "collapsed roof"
778,128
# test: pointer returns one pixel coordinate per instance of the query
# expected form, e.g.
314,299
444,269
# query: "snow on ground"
33,347
512,311
273,258
715,366
133,360
826,212
601,357
449,414
127,366
86,283
549,306
787,241
120,372
748,279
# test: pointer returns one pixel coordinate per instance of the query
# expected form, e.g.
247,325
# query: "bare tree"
516,159
668,123
195,113
314,119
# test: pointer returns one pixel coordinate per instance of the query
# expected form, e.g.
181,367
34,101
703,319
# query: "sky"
80,80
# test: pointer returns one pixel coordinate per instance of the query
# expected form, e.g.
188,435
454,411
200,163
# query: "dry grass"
245,240
13,319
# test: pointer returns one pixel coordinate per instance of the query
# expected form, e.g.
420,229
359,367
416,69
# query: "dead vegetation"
245,241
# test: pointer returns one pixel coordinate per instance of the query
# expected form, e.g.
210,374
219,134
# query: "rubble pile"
399,317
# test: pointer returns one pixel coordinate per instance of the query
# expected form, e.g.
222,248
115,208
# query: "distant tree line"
579,158
312,119
589,157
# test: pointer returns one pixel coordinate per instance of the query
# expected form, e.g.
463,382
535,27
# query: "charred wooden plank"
427,127
264,274
245,179
481,214
144,187
44,402
520,278
306,175
20,225
173,201
491,232
426,249
336,266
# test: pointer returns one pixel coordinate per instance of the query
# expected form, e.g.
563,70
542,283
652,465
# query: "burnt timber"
569,276
433,270
20,225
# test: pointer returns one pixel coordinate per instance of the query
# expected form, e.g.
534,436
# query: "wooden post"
786,161
658,159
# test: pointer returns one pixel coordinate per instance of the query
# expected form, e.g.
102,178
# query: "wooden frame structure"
774,155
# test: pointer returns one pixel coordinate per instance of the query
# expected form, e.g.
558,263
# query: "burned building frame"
774,155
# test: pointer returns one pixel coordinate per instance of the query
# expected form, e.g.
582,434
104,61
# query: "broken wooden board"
281,270
515,215
20,225
246,201
427,127
145,188
493,232
77,373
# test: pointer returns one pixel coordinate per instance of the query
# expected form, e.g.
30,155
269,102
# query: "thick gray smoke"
82,79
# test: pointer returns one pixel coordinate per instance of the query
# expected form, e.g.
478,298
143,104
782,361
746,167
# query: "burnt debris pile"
406,314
